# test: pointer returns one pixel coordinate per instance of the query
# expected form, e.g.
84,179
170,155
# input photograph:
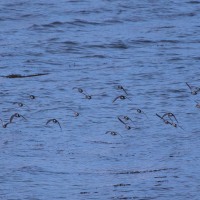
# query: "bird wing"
49,121
174,117
23,117
124,91
159,116
11,118
107,132
188,86
116,99
59,124
128,98
121,120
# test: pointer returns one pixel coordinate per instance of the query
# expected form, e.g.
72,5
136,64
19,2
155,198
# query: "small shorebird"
75,114
198,104
32,96
20,104
124,117
121,118
139,111
169,122
120,87
16,115
55,121
193,89
80,90
4,125
170,115
128,127
113,133
122,97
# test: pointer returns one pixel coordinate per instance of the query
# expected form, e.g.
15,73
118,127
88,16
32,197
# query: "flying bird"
120,87
32,96
20,104
198,104
114,133
4,125
122,97
16,115
80,90
170,115
55,121
193,89
139,111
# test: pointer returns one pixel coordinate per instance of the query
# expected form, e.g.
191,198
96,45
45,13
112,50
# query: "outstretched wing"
107,132
59,124
23,117
124,91
159,116
188,86
80,90
50,120
170,115
116,99
11,118
121,120
174,117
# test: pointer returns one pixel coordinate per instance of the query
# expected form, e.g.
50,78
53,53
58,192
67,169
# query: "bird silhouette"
122,97
16,115
55,121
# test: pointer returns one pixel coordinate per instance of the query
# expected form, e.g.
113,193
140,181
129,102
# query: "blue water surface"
149,47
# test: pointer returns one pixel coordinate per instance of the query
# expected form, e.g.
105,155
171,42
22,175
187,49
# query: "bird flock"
167,118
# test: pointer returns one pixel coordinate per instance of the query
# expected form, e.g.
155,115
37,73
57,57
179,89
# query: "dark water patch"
146,171
23,76
165,27
103,142
30,16
71,43
15,4
49,62
122,197
176,91
46,26
162,181
84,192
30,169
121,185
193,2
83,23
112,21
38,170
181,15
53,24
27,15
142,41
170,41
175,59
196,58
160,177
96,46
115,45
35,27
95,56
157,187
118,45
